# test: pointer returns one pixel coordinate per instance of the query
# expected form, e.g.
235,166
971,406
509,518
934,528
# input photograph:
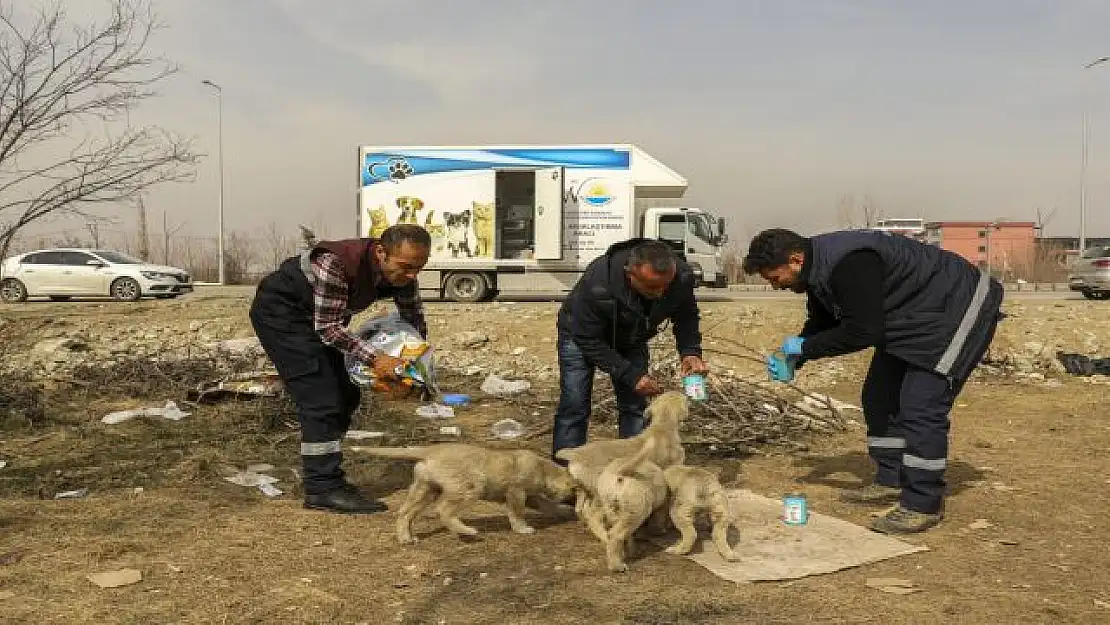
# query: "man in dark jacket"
929,314
606,322
300,314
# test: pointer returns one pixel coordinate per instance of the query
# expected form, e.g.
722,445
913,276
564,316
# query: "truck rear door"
549,213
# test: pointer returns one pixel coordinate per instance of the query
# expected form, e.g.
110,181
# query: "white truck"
521,219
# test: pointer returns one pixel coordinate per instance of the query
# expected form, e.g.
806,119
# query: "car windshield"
118,258
1097,252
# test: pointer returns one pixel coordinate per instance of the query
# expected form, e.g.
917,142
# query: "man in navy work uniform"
929,314
606,322
300,314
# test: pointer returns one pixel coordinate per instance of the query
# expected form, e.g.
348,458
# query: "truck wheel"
465,286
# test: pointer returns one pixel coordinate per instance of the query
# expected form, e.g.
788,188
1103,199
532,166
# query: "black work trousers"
315,376
907,410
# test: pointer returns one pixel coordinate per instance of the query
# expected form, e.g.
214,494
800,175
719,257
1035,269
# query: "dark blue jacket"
938,308
604,317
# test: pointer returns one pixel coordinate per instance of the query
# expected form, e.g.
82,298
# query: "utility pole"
94,231
165,241
220,139
144,239
166,234
1083,166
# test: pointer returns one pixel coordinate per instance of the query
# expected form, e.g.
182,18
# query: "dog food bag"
394,336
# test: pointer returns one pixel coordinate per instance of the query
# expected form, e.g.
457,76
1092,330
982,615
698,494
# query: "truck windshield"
672,228
699,227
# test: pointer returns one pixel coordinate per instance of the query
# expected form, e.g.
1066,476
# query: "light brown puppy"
660,438
693,490
453,475
629,492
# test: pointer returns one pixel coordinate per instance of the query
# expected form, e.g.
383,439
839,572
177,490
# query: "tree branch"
55,77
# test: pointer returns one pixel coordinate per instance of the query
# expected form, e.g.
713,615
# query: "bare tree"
278,245
58,81
846,211
869,211
862,214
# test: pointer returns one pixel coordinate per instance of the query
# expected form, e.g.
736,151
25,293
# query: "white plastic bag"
170,411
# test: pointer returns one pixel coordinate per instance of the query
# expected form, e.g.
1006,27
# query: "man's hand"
779,369
648,387
792,346
693,364
385,367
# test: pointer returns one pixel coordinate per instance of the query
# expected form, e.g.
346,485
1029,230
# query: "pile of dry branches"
20,401
155,380
742,414
148,377
20,396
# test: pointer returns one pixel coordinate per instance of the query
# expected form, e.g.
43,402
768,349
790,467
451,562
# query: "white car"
64,273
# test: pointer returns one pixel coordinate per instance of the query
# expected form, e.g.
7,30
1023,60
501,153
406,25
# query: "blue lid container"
456,399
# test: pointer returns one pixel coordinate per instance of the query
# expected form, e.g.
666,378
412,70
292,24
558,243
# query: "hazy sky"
772,109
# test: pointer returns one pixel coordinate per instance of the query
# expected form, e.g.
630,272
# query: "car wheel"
126,290
12,290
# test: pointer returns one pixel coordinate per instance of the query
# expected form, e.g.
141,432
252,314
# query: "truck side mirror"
721,227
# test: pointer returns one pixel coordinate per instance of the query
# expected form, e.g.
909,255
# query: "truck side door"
549,213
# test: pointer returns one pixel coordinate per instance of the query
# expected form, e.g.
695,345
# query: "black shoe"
346,499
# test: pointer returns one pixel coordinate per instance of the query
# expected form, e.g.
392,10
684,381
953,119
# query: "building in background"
913,228
1006,248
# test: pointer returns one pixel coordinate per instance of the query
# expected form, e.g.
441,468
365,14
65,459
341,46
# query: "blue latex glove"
780,369
792,346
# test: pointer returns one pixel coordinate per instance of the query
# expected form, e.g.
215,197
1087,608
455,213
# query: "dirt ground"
1029,456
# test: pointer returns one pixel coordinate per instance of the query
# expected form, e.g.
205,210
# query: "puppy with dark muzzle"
409,206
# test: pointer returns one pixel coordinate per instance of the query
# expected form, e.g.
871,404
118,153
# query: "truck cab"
696,235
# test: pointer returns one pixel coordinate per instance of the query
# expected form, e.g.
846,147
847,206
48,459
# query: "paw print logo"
397,168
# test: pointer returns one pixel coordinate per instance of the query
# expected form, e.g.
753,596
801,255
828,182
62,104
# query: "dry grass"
214,552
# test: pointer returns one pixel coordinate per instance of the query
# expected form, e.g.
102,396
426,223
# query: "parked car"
1091,273
64,273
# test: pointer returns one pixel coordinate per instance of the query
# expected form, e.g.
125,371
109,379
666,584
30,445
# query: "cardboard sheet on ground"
770,550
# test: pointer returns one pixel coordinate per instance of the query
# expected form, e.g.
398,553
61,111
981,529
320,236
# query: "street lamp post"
220,151
991,227
1083,169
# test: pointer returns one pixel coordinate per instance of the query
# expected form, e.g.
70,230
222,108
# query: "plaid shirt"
330,315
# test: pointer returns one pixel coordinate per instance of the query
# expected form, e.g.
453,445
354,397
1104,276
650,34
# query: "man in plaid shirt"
300,314
330,315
